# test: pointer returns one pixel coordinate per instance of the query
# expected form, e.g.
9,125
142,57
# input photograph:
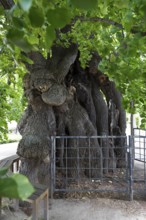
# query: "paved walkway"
88,209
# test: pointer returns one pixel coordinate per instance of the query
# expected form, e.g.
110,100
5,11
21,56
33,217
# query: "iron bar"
84,155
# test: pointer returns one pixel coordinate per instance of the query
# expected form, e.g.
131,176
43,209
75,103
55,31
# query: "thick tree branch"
107,21
7,4
138,32
98,19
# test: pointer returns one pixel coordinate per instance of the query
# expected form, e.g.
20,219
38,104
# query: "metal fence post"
131,163
144,163
61,177
53,164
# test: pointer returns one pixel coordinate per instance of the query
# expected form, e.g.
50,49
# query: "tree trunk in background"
64,99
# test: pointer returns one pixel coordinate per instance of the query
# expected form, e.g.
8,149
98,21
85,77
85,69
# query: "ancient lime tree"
80,56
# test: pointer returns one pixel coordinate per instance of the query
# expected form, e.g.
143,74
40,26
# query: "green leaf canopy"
87,5
114,29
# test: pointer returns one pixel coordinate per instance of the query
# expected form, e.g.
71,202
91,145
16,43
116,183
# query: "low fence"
139,144
85,164
139,161
97,164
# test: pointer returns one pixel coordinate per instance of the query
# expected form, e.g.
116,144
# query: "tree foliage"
115,29
15,186
12,102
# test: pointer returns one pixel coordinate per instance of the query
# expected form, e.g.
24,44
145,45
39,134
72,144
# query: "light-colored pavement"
88,209
7,150
93,209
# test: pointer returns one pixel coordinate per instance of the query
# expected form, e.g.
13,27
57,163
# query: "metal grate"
82,170
98,164
139,161
139,144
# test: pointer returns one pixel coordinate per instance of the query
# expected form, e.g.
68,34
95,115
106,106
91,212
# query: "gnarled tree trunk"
65,99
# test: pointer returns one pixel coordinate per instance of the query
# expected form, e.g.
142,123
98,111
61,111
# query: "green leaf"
50,36
84,4
36,16
24,45
18,22
3,171
121,4
25,4
16,186
26,59
16,36
1,10
59,17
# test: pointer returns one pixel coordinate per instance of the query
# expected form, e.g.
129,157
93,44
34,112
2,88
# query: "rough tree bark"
65,99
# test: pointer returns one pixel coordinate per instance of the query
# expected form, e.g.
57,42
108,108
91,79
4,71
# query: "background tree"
73,51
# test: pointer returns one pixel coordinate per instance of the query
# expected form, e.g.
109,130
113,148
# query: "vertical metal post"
127,157
51,167
144,152
101,162
130,160
103,158
89,148
79,171
131,117
53,164
66,164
